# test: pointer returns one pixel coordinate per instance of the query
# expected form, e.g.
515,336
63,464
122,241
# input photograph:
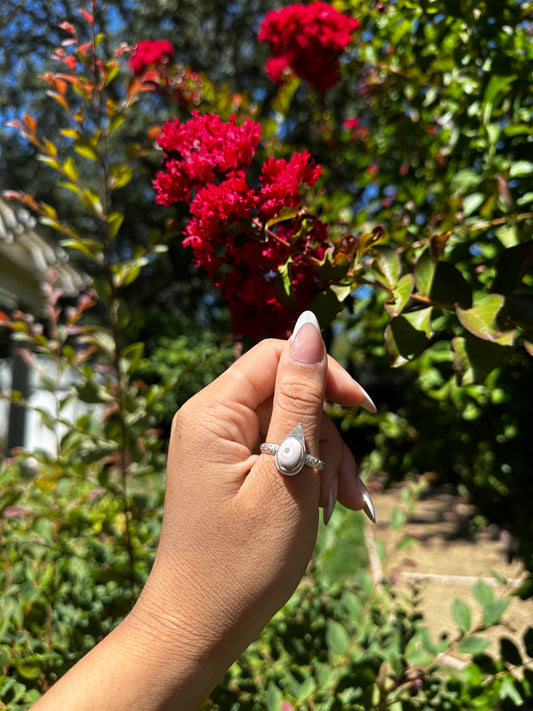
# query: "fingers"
298,398
300,384
250,380
344,390
273,388
339,478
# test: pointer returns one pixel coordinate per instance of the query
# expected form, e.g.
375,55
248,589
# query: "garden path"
446,560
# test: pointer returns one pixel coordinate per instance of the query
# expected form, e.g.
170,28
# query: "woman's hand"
237,535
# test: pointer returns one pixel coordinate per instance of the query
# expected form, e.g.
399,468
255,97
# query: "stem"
113,299
431,302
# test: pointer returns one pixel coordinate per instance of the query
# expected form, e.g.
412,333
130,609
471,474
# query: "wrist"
182,641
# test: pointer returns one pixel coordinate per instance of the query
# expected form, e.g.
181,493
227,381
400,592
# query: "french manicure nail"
367,402
332,500
368,506
303,318
306,342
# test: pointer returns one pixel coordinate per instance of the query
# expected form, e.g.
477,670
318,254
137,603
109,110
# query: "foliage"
472,436
344,642
425,199
80,525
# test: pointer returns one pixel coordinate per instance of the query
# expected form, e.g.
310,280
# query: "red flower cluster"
309,39
206,163
148,53
150,60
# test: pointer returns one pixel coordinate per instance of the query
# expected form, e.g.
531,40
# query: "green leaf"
29,668
473,645
337,639
424,271
114,222
126,272
406,336
92,393
472,675
449,287
397,518
91,452
493,612
525,589
386,268
511,267
508,690
416,653
480,320
116,120
401,295
494,93
508,235
85,149
49,160
306,689
420,319
525,199
132,354
483,593
461,615
333,268
274,697
327,304
91,200
120,175
284,284
521,169
472,202
112,71
70,169
465,179
5,656
474,359
70,133
89,247
352,603
287,213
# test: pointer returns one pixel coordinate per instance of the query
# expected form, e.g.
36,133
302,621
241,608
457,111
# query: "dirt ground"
447,560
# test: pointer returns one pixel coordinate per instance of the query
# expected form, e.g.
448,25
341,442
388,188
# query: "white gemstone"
290,455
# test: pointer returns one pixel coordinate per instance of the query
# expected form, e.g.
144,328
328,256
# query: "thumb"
290,504
300,385
298,399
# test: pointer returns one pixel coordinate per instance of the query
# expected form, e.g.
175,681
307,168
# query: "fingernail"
367,402
332,500
368,506
307,345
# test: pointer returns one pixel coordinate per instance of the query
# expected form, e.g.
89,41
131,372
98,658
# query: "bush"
447,296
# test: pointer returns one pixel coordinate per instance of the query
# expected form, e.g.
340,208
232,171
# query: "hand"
237,535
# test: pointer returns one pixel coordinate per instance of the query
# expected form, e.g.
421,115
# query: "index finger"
250,380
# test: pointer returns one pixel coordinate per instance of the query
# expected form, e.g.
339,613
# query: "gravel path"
446,560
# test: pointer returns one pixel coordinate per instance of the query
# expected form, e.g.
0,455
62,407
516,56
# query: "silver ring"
290,455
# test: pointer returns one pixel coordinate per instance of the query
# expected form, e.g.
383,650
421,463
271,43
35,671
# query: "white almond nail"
332,500
367,402
306,317
368,507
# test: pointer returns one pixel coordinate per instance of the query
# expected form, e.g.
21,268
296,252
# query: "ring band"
290,455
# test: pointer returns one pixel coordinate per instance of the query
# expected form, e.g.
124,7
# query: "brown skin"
236,537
